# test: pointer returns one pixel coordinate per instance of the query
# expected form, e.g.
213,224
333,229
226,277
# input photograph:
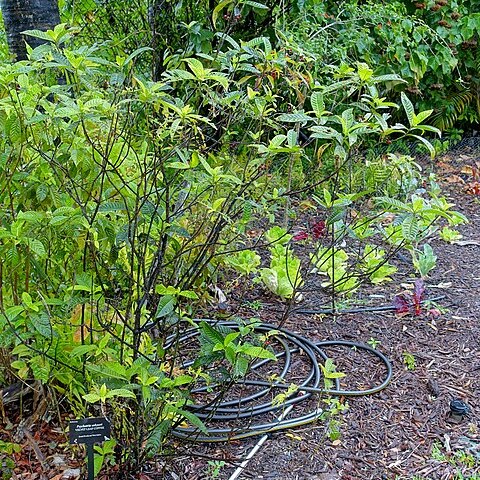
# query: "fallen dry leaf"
454,179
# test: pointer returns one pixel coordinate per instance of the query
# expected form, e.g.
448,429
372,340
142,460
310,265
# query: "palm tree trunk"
20,15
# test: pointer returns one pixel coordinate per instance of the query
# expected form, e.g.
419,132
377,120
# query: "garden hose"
247,409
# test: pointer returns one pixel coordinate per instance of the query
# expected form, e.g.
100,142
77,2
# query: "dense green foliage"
124,201
432,44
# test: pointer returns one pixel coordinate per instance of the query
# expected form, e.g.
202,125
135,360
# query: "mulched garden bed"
403,431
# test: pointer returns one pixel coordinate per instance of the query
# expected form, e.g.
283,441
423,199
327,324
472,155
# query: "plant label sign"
89,430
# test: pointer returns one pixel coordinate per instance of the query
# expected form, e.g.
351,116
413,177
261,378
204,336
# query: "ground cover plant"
128,198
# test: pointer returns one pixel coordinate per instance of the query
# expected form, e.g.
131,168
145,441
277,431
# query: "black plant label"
90,430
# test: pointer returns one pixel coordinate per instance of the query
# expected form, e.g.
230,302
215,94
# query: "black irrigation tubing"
248,410
381,308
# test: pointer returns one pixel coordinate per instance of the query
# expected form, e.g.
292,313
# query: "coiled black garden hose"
247,407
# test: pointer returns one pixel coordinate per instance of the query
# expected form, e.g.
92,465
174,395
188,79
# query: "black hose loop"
247,407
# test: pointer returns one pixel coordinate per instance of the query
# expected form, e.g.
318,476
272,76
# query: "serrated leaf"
36,246
210,333
318,104
409,110
410,228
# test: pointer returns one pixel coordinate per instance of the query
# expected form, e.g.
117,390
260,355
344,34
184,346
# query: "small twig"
38,453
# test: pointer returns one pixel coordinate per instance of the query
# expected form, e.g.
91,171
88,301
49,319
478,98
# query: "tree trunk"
20,15
157,12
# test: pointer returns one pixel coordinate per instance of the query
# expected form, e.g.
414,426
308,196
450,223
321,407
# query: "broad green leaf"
392,77
188,294
430,147
37,247
294,117
196,66
292,138
218,9
120,392
213,335
82,350
193,419
157,435
422,116
136,53
42,325
182,380
165,307
364,72
39,34
91,397
241,366
258,352
230,338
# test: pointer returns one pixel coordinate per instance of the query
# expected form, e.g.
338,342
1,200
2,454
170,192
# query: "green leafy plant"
283,276
104,453
331,415
244,262
233,347
333,263
277,235
424,260
409,361
329,372
374,265
450,235
214,468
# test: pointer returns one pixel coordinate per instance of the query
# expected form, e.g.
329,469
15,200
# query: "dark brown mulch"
391,435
